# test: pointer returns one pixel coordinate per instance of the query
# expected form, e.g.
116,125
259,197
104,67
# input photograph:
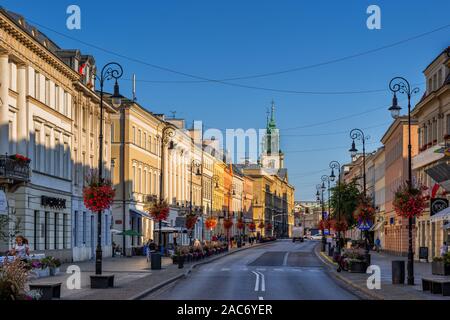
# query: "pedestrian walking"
444,249
377,244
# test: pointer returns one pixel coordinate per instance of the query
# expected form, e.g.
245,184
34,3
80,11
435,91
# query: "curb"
186,273
365,292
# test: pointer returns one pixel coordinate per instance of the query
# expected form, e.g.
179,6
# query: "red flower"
269,226
191,220
261,225
210,223
252,226
240,224
227,223
409,202
159,210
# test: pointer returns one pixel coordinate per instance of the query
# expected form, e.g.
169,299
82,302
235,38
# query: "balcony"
14,169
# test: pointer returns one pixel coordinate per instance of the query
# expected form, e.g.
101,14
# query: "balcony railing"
14,170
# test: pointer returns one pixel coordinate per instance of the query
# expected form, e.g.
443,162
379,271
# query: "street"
279,270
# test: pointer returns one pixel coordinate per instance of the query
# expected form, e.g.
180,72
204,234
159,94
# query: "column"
4,100
22,127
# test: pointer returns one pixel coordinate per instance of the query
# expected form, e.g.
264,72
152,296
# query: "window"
139,189
144,180
57,97
11,138
145,141
57,157
139,138
66,160
37,150
46,230
75,228
36,230
48,154
133,187
439,78
37,87
64,235
56,231
133,137
84,227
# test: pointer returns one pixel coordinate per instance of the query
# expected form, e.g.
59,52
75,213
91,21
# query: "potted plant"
53,264
441,265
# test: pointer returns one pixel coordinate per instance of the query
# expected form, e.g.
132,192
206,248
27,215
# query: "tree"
349,200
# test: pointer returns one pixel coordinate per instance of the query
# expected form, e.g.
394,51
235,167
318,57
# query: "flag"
81,69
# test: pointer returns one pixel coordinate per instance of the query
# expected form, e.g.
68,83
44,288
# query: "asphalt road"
282,270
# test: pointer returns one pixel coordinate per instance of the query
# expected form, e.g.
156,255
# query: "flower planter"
357,267
54,271
42,273
439,268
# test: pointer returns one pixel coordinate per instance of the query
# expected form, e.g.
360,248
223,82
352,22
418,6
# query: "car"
316,237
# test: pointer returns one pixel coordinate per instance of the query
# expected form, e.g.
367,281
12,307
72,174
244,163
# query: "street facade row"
49,131
387,168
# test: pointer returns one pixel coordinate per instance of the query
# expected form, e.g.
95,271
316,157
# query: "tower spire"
272,117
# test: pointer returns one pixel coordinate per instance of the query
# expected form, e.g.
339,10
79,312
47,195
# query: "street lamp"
358,134
110,71
327,179
402,86
166,140
321,187
194,164
337,165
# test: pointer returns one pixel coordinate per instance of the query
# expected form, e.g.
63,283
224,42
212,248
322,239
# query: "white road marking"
260,298
260,269
278,269
263,282
225,269
257,280
285,258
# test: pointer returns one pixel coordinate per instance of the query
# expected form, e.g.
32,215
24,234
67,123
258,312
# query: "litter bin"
398,272
180,262
156,260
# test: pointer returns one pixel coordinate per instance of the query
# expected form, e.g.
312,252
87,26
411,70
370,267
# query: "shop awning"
167,230
140,213
441,215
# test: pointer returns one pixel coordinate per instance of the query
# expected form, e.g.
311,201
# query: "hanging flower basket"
227,223
191,220
252,226
99,194
364,212
240,224
340,226
261,225
324,224
210,223
159,210
269,226
409,202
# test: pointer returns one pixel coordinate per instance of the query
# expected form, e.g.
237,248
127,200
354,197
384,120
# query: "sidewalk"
388,291
133,276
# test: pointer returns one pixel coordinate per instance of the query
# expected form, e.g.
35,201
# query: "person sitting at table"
21,249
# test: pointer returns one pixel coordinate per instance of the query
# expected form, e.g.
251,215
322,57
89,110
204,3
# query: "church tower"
272,157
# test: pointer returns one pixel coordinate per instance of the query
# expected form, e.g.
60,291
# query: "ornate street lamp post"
197,165
336,165
358,134
321,187
111,71
401,85
166,140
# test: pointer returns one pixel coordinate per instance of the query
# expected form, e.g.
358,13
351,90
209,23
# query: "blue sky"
226,39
